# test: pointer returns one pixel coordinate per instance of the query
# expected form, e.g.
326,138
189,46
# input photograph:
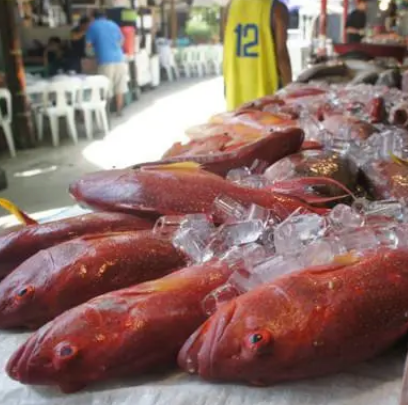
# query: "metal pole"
345,15
23,130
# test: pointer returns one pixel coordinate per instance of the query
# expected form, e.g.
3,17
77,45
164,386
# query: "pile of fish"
273,246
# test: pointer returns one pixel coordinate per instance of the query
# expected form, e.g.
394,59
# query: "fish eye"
25,291
66,351
259,341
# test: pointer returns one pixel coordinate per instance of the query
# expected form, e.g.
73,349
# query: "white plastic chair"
59,100
6,119
200,60
186,62
167,61
93,98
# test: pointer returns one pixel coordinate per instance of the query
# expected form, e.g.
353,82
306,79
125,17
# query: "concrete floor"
38,178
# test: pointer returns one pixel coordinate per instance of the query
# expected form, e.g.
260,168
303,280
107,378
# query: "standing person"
78,44
106,39
356,23
256,57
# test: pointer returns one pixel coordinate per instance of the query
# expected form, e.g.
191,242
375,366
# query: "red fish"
124,333
73,272
353,127
315,163
269,148
386,178
308,324
170,190
17,246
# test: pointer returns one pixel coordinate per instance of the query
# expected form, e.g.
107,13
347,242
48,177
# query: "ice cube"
358,240
249,254
242,232
320,253
282,170
229,235
298,230
256,212
228,209
191,243
343,216
218,297
244,281
274,267
388,208
257,181
387,237
236,175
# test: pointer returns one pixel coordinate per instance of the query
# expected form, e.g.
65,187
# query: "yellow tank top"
250,69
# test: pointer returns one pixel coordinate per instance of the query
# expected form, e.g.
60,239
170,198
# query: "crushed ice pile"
261,248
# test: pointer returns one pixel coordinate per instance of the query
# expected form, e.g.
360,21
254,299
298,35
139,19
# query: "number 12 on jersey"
247,40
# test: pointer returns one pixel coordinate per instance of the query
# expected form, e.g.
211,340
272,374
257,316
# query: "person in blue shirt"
106,39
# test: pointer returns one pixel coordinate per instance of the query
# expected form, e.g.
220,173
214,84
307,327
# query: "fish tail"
17,212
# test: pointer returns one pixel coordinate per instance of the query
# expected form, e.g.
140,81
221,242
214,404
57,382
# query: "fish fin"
314,181
183,166
347,259
14,210
398,160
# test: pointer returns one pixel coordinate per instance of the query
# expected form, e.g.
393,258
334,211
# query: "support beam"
323,19
23,130
345,15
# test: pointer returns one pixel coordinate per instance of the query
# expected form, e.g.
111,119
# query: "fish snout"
17,367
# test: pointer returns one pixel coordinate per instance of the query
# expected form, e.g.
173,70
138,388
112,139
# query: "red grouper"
308,324
124,333
270,147
170,190
17,246
73,272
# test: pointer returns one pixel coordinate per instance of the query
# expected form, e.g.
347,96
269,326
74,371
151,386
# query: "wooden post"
345,15
23,130
223,16
323,18
173,18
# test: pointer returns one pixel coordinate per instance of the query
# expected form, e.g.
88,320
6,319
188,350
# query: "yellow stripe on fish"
183,166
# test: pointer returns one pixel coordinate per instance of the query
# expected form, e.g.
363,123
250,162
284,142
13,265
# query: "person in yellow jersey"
256,57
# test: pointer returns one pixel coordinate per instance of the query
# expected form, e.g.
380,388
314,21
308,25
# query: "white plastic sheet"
374,383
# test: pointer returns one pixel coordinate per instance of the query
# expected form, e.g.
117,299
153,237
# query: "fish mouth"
198,353
17,367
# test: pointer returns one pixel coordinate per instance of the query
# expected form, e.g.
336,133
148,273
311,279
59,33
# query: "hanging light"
384,5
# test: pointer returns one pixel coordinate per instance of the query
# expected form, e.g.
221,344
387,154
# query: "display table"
375,383
374,50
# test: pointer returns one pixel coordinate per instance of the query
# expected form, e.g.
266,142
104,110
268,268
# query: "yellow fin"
14,210
398,160
185,166
347,259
